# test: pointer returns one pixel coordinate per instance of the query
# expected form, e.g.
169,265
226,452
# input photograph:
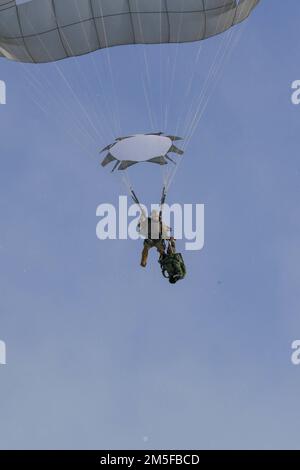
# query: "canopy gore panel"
48,30
151,148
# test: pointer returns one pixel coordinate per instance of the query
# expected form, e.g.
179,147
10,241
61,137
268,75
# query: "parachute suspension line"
187,97
161,70
147,79
168,171
146,92
165,175
173,170
203,93
173,73
195,63
101,116
109,63
215,71
130,190
146,95
148,104
112,125
87,87
37,84
97,129
190,85
170,177
77,99
74,135
218,68
126,181
201,108
199,112
37,93
36,87
65,80
205,88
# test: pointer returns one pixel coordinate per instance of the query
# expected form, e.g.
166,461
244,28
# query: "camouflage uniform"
152,229
148,243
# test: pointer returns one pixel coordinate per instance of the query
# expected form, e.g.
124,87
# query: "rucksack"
173,267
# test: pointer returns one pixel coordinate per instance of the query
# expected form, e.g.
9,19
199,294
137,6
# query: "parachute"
47,31
152,148
40,31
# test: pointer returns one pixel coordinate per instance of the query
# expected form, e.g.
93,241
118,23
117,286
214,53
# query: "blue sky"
102,354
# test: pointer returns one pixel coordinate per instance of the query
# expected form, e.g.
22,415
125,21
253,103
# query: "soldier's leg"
171,246
160,246
145,253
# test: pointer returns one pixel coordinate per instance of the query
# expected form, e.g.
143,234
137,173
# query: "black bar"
144,458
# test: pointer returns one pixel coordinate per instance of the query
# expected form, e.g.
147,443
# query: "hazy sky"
102,354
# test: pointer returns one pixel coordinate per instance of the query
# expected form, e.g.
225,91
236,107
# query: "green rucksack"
173,267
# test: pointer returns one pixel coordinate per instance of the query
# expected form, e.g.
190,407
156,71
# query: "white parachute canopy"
150,148
49,30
